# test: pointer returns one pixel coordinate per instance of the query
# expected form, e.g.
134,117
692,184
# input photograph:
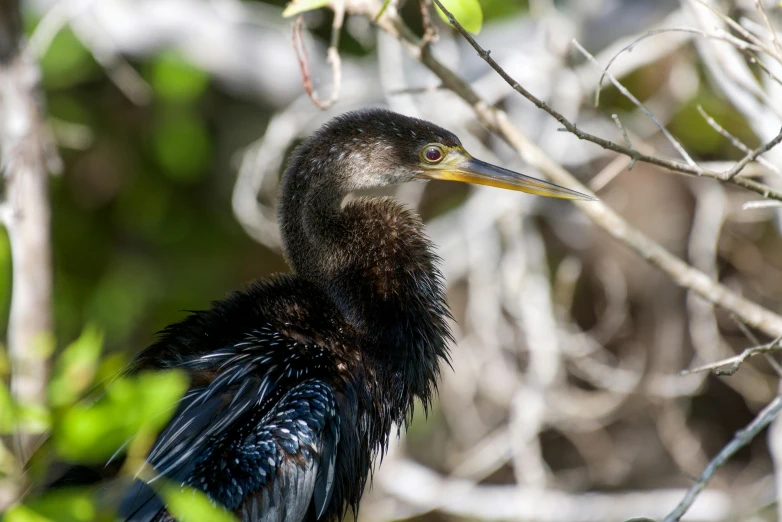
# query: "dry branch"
27,156
332,58
496,120
740,439
736,361
464,90
417,486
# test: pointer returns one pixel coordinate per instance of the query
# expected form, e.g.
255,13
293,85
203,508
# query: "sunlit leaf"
189,505
8,462
300,6
7,411
5,364
467,12
65,505
158,392
33,418
20,513
176,79
75,368
143,403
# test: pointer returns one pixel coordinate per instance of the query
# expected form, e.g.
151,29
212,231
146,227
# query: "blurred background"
174,119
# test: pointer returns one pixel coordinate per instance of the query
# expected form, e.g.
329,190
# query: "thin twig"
742,45
730,174
740,439
27,155
736,361
725,176
626,137
672,165
627,94
738,28
415,90
494,119
756,342
301,56
764,16
430,31
734,140
332,57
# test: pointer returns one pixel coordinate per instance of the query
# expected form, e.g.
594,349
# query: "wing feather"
257,440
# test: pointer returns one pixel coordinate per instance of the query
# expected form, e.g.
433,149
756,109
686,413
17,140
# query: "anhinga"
297,381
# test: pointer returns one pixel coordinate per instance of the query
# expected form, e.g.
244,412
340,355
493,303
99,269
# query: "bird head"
374,148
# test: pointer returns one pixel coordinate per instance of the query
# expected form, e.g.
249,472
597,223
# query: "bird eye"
433,154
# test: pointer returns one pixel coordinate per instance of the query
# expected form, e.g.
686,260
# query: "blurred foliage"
189,505
117,413
467,12
131,407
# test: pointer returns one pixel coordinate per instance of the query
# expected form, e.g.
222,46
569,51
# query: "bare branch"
332,58
430,31
736,361
764,16
627,94
626,137
737,27
675,166
740,439
730,174
417,486
27,155
680,272
748,48
724,176
735,141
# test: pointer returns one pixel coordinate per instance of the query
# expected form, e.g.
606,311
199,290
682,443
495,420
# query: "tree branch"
673,165
736,361
740,439
495,120
27,155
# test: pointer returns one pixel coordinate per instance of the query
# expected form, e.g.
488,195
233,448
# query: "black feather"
297,381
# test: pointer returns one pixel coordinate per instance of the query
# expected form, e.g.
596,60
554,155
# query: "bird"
297,381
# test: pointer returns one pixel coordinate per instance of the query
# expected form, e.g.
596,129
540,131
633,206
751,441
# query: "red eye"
433,154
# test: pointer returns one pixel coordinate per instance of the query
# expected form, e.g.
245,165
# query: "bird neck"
372,258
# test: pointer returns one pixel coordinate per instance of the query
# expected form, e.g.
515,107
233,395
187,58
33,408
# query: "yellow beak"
460,166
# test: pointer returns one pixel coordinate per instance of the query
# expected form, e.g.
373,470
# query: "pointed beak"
460,166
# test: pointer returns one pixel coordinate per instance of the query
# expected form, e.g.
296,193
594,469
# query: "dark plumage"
296,381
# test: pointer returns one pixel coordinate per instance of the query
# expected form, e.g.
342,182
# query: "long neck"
373,259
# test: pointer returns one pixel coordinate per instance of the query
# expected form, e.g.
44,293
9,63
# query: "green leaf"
467,12
20,513
75,368
189,505
176,79
134,406
300,6
31,418
65,505
7,411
